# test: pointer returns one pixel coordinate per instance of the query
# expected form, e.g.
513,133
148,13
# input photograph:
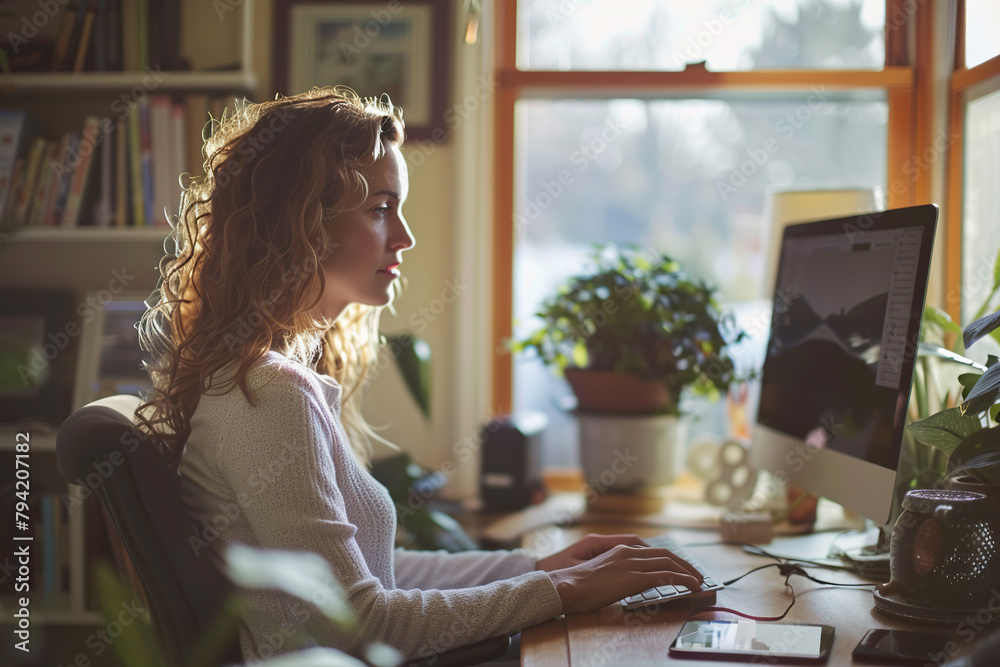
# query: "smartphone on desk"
904,647
776,642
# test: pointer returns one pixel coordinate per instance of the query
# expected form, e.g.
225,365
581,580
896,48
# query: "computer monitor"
835,383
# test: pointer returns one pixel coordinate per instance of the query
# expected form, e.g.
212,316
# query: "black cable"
788,567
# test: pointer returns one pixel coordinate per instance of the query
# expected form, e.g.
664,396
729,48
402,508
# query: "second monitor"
836,377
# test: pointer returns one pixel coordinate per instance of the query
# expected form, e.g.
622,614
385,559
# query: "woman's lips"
392,270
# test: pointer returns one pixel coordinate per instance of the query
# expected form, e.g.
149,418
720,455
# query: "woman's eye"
381,210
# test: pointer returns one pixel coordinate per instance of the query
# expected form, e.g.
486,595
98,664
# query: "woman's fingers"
676,563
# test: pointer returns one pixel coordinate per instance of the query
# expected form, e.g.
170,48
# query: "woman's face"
366,243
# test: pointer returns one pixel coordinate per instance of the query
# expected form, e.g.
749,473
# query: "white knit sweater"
281,475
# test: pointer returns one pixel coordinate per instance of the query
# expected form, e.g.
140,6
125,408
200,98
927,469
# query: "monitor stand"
866,552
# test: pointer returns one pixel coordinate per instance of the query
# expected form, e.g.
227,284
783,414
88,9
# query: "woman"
288,249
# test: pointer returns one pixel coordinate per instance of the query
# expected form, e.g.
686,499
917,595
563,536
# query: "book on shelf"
63,172
120,173
45,542
84,46
104,213
146,162
17,130
45,183
134,139
122,200
25,195
162,167
61,48
81,171
99,36
178,142
12,183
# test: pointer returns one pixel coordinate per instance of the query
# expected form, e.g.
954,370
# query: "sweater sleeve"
295,434
440,569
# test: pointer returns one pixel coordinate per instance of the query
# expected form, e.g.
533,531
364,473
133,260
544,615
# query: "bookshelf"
83,258
101,82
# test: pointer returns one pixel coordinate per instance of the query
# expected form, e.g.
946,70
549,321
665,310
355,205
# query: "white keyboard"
668,593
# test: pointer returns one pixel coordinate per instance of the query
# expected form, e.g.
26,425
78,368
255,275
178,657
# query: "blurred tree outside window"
982,39
681,174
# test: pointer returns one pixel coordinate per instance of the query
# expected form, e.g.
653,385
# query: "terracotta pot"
617,393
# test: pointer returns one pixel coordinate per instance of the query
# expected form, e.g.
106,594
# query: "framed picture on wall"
39,331
374,47
110,356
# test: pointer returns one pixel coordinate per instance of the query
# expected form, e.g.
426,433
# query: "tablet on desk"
750,639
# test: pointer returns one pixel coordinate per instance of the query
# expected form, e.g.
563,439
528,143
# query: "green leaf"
980,328
979,456
944,430
301,574
984,393
973,445
397,474
968,381
996,273
925,349
941,319
413,357
137,645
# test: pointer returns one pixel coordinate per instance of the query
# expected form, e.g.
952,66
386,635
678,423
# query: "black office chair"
185,592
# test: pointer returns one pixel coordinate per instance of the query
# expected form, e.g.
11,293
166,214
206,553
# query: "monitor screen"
848,299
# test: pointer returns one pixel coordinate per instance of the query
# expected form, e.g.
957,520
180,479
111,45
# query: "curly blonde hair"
249,246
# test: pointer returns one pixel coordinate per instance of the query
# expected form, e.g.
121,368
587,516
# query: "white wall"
446,301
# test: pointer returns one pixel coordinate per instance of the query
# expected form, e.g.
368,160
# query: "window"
981,218
612,129
729,35
982,40
972,194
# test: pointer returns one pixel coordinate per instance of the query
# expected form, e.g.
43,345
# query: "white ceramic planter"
629,453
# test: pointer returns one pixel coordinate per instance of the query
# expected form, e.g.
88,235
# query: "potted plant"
969,434
633,335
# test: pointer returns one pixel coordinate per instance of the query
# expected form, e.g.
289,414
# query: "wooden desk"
616,638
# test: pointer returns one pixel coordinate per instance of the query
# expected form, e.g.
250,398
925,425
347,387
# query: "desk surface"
616,638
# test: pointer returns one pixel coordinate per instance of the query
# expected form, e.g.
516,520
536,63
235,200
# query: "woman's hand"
587,548
619,572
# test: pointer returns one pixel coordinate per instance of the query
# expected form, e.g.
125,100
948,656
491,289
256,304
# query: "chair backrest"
185,591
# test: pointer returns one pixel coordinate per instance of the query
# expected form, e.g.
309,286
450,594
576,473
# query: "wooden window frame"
908,93
966,85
